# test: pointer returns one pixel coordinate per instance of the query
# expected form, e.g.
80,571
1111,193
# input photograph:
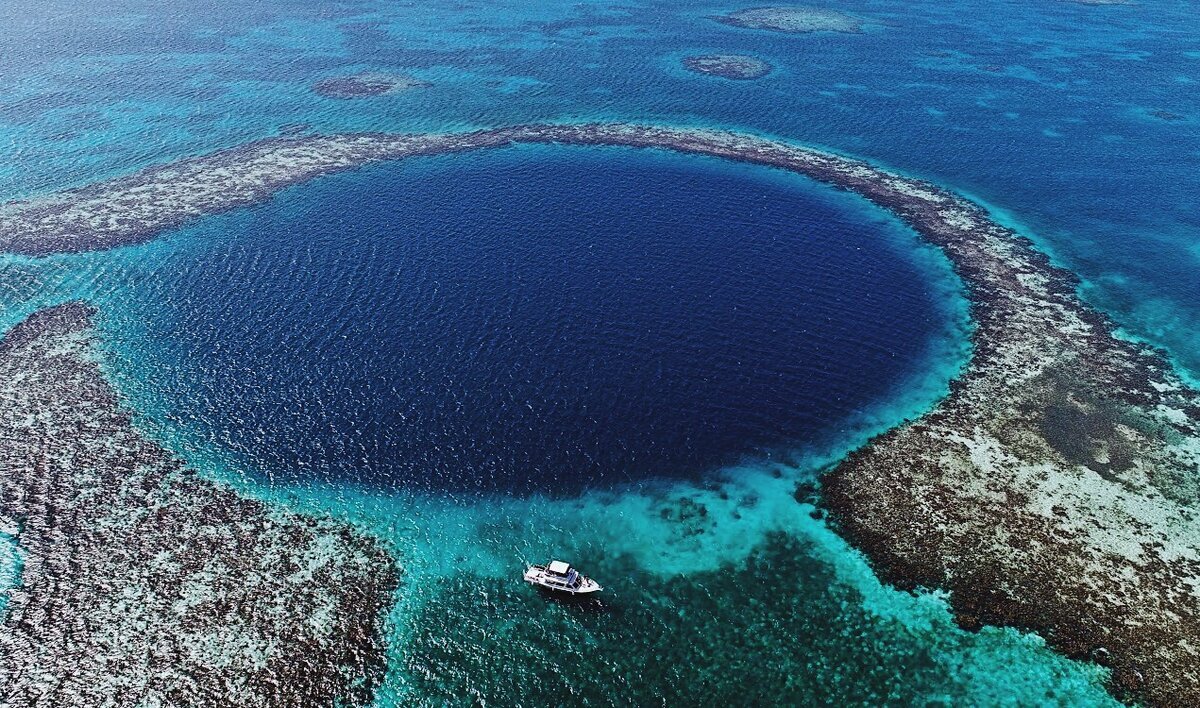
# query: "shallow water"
570,287
1079,119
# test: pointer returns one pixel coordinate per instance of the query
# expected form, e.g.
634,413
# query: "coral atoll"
1054,488
145,584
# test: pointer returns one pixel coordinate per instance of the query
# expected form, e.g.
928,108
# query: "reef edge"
144,583
1053,489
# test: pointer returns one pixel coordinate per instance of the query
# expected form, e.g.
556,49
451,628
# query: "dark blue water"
534,319
1081,120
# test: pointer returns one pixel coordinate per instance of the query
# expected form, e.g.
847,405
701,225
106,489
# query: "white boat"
560,577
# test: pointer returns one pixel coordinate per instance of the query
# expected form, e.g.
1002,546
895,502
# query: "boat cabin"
557,575
561,572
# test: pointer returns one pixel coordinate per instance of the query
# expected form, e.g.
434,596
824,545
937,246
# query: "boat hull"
539,578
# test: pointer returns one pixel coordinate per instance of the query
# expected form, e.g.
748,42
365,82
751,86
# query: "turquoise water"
1077,123
1046,109
10,563
720,584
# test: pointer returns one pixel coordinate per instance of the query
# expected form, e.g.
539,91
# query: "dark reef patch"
795,20
728,66
366,85
145,584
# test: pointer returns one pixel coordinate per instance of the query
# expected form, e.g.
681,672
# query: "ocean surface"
596,317
628,358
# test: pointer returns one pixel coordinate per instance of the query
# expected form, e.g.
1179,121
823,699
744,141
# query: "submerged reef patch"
1054,489
145,584
1167,115
367,85
792,19
728,66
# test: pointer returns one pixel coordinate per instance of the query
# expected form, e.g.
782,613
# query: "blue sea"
628,358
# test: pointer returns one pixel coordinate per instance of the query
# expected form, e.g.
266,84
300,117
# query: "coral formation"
728,66
145,584
366,85
1054,488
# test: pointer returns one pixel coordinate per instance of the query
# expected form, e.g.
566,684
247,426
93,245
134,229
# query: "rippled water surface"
628,358
534,319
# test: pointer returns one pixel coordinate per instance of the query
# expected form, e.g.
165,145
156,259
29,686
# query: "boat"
558,576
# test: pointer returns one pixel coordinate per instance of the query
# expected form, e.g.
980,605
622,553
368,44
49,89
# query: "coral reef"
1055,488
144,584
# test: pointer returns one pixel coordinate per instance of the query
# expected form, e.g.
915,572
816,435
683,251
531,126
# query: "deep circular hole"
532,319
